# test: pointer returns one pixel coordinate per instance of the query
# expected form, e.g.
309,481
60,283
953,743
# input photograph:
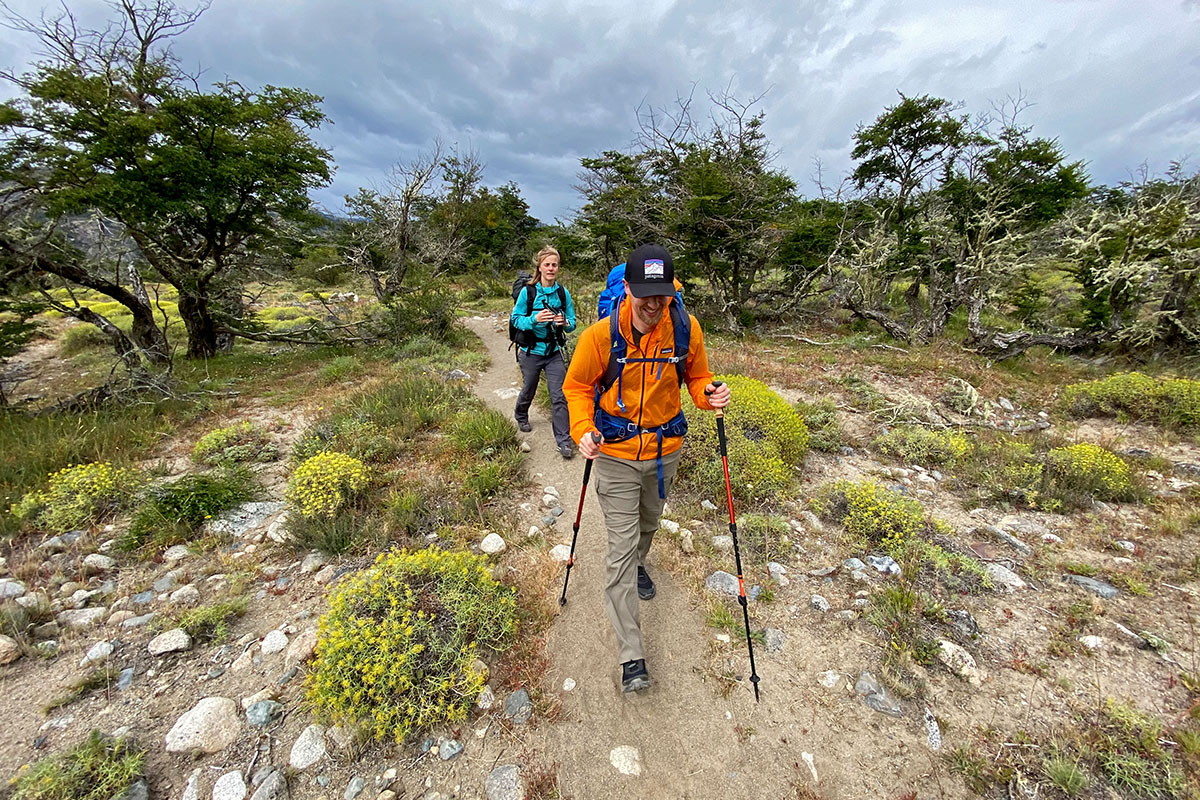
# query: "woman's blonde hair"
537,262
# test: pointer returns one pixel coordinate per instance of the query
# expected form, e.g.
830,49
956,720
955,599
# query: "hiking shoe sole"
636,684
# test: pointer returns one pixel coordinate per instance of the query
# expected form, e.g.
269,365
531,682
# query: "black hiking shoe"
567,452
646,588
524,427
634,676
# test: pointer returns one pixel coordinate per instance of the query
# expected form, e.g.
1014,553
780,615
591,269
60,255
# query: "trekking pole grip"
720,412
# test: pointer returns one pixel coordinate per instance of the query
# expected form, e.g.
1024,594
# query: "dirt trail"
686,734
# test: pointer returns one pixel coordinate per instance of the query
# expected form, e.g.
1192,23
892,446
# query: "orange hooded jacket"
649,401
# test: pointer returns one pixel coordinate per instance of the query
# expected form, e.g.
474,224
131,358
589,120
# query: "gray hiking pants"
556,372
628,494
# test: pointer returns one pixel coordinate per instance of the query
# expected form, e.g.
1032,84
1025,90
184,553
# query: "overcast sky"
535,86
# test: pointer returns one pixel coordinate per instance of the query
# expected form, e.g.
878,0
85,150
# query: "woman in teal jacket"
545,313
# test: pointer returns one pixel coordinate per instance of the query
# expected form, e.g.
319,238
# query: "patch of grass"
1003,468
978,772
32,447
100,678
1066,775
336,534
484,432
210,623
914,444
725,617
98,768
173,512
1170,402
760,537
340,369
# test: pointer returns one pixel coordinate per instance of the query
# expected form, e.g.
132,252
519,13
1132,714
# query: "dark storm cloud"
533,87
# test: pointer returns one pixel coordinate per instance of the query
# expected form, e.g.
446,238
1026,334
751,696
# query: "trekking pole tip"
562,601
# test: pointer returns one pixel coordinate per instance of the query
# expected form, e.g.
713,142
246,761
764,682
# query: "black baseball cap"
650,272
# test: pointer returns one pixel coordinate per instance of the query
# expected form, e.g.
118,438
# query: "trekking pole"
737,556
587,473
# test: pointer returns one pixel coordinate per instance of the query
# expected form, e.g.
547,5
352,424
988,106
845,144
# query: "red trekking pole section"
737,555
587,473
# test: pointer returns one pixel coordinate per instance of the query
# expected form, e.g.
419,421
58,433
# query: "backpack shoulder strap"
616,351
681,324
562,298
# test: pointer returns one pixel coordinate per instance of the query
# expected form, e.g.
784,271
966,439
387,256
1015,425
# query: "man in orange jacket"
624,383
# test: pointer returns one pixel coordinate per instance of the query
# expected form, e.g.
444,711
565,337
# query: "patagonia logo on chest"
666,351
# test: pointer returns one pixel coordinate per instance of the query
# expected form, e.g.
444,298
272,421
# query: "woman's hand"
545,315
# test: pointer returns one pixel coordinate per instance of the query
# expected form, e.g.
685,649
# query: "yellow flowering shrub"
394,651
238,442
78,495
873,513
1090,470
767,439
327,483
916,445
1173,402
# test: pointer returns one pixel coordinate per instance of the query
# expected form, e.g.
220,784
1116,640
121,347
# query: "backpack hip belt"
618,429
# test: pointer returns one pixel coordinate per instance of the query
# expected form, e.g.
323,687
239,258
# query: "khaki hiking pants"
628,494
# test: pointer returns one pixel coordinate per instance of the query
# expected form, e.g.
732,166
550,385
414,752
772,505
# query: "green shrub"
766,438
484,432
1172,402
78,496
351,435
395,649
1002,468
327,483
824,431
409,512
211,623
760,535
173,511
80,337
873,513
1083,471
916,445
238,442
99,768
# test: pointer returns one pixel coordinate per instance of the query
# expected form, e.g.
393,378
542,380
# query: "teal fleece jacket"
523,316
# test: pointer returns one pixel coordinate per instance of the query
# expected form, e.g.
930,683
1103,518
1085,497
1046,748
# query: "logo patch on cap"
654,268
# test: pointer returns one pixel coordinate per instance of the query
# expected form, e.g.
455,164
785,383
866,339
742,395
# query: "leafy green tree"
205,183
901,155
620,209
709,193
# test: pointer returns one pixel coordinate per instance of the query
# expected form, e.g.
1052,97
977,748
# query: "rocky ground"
1014,665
